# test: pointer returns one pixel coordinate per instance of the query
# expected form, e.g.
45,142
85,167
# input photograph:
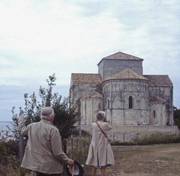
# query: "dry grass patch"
156,160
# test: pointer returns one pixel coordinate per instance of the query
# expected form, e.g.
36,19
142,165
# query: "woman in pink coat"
100,153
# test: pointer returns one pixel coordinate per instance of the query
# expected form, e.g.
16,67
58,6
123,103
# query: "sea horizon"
4,124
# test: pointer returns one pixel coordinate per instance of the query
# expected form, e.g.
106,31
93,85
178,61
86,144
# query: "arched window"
154,114
130,102
99,106
108,104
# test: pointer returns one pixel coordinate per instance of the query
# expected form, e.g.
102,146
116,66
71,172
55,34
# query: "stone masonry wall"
116,102
89,108
165,93
79,91
109,67
131,133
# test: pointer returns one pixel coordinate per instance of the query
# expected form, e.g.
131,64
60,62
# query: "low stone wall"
131,133
127,133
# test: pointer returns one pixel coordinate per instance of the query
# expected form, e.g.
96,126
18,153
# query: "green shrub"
177,117
78,148
8,151
116,143
157,138
9,165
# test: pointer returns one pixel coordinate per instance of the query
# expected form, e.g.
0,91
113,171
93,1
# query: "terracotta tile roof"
127,74
159,80
85,78
121,56
157,99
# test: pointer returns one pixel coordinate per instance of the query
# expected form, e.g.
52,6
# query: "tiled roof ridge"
155,75
84,74
120,56
83,78
127,74
122,53
157,99
159,80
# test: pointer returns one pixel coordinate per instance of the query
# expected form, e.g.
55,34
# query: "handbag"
104,133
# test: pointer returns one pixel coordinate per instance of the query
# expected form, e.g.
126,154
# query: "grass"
150,160
156,138
157,160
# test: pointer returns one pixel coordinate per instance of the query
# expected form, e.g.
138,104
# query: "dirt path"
154,160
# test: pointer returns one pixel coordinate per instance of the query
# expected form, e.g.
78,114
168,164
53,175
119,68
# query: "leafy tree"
65,116
177,117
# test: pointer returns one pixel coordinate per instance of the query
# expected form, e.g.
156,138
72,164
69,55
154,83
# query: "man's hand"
70,162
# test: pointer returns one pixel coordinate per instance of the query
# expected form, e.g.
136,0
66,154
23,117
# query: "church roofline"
157,99
159,80
126,74
121,56
85,78
125,79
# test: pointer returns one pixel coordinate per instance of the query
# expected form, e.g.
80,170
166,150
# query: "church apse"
129,98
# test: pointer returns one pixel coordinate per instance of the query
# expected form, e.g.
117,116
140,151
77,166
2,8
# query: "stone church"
135,104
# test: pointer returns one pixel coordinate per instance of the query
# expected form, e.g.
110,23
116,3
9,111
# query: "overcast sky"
41,37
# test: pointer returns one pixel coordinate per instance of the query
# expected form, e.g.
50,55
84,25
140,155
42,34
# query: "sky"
39,38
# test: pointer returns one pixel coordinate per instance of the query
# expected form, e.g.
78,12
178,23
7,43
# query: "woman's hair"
100,116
